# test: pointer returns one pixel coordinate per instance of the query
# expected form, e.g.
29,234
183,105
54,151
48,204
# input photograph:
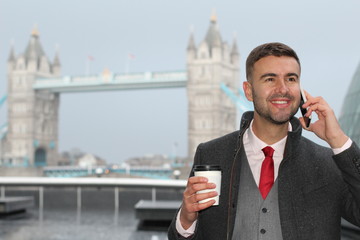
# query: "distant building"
90,160
350,113
154,160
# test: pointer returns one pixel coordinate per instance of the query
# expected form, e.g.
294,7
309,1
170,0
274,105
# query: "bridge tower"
32,136
212,62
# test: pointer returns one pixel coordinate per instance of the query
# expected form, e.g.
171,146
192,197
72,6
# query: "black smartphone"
304,110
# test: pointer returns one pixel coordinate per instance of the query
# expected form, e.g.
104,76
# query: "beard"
275,118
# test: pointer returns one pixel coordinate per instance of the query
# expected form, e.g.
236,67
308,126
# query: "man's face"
275,88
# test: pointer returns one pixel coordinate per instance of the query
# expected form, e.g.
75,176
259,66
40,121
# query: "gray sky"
118,125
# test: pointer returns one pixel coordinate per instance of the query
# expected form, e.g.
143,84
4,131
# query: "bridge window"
203,124
19,108
40,157
203,101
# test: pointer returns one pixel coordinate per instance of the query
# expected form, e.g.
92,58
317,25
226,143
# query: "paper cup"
213,174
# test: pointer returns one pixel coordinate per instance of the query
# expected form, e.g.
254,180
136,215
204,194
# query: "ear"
248,91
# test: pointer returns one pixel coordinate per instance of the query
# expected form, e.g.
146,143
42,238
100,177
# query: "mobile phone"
304,110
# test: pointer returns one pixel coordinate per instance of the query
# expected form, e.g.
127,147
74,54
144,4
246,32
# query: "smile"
280,102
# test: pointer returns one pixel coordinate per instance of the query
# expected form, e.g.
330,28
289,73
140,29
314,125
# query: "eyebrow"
274,75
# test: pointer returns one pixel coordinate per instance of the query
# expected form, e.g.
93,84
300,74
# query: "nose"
281,87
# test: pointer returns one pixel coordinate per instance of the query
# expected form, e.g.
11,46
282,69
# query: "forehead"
276,65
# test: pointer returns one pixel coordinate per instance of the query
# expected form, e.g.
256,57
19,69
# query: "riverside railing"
115,183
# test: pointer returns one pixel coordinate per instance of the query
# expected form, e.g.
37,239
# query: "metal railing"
115,183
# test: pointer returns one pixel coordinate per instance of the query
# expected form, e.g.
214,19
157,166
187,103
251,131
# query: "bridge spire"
35,31
12,53
213,17
191,44
213,37
56,62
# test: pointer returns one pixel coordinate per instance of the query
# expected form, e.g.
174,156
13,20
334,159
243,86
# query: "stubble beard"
278,119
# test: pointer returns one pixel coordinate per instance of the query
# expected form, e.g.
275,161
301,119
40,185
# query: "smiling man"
276,184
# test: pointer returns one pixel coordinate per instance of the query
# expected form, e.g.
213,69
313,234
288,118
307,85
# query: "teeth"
280,102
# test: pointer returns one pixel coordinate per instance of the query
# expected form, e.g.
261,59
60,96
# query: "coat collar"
248,116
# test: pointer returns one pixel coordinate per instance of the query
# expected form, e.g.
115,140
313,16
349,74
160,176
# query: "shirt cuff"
179,228
343,148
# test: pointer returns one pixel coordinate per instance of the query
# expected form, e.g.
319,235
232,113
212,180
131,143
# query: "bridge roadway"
108,81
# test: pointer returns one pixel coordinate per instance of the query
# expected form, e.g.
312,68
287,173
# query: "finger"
202,196
199,195
196,207
197,179
192,204
193,188
202,206
317,108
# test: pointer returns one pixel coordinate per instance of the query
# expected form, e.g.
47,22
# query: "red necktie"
267,172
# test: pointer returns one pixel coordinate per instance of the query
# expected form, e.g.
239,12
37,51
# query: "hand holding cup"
194,199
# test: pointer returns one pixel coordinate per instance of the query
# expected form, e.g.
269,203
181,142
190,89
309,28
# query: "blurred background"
117,133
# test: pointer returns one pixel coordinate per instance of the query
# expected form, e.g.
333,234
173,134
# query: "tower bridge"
35,85
108,81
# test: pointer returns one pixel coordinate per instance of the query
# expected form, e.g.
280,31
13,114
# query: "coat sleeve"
348,162
172,232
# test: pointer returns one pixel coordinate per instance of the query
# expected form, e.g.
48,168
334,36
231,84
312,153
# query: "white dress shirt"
253,148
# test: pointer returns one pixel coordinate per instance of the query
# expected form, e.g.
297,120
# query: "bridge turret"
32,115
211,113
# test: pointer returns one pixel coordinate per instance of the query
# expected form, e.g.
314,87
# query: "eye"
270,79
292,79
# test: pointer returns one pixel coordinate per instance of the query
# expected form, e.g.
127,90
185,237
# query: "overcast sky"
119,125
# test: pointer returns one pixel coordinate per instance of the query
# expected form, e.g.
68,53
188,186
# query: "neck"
267,131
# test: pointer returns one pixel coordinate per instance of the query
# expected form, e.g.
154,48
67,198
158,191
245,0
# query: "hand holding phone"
304,110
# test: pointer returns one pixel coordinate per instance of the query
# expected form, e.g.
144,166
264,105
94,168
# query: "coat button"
262,231
264,210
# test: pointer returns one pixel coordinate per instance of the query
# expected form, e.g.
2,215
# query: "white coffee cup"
213,174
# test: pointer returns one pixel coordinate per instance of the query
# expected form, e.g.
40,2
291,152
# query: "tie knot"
268,151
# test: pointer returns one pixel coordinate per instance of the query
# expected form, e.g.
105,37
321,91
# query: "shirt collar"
257,145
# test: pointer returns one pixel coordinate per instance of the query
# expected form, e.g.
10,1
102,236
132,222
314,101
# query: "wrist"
339,141
186,219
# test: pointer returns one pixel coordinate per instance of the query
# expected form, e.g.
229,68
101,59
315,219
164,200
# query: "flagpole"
127,65
87,66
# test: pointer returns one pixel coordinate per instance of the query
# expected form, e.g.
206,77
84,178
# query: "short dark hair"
268,49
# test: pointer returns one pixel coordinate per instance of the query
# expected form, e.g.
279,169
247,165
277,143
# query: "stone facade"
211,113
32,136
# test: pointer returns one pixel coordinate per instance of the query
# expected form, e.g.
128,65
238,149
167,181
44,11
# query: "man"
309,187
